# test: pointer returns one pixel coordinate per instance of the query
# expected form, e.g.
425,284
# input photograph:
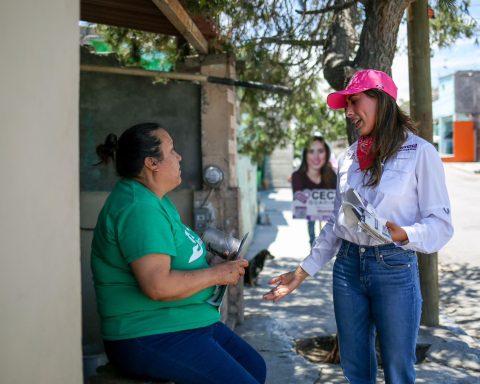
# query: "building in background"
456,114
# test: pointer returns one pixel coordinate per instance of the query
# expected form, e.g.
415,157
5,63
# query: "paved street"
464,189
460,259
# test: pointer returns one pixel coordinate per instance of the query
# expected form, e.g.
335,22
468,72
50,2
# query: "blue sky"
464,55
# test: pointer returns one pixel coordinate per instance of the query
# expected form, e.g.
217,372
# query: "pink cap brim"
338,100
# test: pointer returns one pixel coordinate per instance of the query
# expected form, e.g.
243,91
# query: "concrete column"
40,318
219,147
219,140
219,135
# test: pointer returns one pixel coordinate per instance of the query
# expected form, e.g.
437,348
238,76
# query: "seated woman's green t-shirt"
133,223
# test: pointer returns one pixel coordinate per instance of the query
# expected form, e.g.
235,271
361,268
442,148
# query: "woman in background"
315,172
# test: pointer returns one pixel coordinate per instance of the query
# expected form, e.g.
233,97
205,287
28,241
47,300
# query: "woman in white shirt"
376,290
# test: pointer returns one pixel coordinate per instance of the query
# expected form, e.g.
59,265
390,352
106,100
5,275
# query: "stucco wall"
467,92
445,104
467,100
40,329
247,181
111,103
278,167
459,100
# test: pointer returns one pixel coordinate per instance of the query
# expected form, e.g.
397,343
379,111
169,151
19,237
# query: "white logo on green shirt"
197,250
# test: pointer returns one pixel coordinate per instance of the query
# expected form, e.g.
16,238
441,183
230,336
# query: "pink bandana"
364,155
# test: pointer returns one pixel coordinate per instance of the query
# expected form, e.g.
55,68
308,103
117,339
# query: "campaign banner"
313,204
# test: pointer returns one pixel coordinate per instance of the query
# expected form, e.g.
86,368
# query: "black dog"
255,266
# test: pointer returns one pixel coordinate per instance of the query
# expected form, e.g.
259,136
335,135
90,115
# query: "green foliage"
132,46
278,42
317,119
273,42
277,121
453,21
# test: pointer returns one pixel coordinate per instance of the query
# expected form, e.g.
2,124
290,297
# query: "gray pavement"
452,354
459,261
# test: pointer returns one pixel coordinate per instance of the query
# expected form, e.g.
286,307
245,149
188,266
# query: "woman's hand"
286,284
213,259
159,282
229,272
396,232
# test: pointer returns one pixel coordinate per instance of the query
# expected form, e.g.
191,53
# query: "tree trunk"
339,45
378,40
421,111
376,45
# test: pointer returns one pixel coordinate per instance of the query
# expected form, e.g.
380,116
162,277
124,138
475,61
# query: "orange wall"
463,142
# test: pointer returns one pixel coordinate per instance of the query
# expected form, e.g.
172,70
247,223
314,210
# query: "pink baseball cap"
362,81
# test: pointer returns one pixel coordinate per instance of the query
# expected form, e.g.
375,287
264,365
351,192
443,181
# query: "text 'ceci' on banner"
313,204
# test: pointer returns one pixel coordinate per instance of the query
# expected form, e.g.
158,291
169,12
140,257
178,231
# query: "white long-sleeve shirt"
412,193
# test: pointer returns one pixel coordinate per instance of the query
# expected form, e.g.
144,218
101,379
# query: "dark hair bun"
106,151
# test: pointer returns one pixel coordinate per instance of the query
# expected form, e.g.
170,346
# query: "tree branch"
294,42
340,7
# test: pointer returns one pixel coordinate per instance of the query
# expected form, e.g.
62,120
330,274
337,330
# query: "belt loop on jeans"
377,252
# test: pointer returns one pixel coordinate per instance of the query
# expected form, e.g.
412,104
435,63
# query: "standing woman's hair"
131,149
327,174
390,132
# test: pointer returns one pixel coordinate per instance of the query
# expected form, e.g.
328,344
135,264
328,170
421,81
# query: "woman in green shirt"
152,279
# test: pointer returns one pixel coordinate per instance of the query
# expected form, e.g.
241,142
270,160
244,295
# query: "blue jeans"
213,354
376,290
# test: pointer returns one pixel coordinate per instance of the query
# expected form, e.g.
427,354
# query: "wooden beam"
143,72
185,76
178,16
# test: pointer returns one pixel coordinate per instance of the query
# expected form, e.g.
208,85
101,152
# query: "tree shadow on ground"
460,296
